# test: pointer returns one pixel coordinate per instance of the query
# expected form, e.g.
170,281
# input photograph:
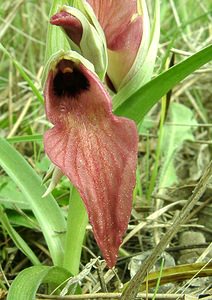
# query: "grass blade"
17,239
137,106
25,138
28,281
46,210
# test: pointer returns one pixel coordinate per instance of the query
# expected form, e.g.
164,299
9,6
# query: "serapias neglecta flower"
123,25
94,148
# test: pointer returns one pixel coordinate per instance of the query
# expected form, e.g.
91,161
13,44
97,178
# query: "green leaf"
27,282
173,138
46,211
10,195
17,239
138,105
24,219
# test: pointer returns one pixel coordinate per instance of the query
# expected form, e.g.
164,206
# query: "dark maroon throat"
69,81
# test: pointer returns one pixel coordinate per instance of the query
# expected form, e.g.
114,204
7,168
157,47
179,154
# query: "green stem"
76,226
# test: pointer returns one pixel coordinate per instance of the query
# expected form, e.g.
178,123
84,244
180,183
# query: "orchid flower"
95,149
122,23
85,39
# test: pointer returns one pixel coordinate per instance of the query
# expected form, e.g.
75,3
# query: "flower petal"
70,24
96,150
118,19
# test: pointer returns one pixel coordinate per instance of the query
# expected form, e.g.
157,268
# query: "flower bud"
122,23
83,36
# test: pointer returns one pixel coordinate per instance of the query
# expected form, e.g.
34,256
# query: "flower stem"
76,226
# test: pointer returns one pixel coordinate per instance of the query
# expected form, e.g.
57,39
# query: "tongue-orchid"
95,149
122,24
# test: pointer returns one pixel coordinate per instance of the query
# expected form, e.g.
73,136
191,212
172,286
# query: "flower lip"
95,149
69,80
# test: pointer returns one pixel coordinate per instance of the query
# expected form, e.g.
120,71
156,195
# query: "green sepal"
87,11
92,45
56,39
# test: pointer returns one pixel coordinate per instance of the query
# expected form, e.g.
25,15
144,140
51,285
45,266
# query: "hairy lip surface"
95,149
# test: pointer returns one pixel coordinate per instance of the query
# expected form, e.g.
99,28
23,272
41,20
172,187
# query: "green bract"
92,45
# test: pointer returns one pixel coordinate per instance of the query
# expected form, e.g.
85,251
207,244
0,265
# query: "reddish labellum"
95,149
